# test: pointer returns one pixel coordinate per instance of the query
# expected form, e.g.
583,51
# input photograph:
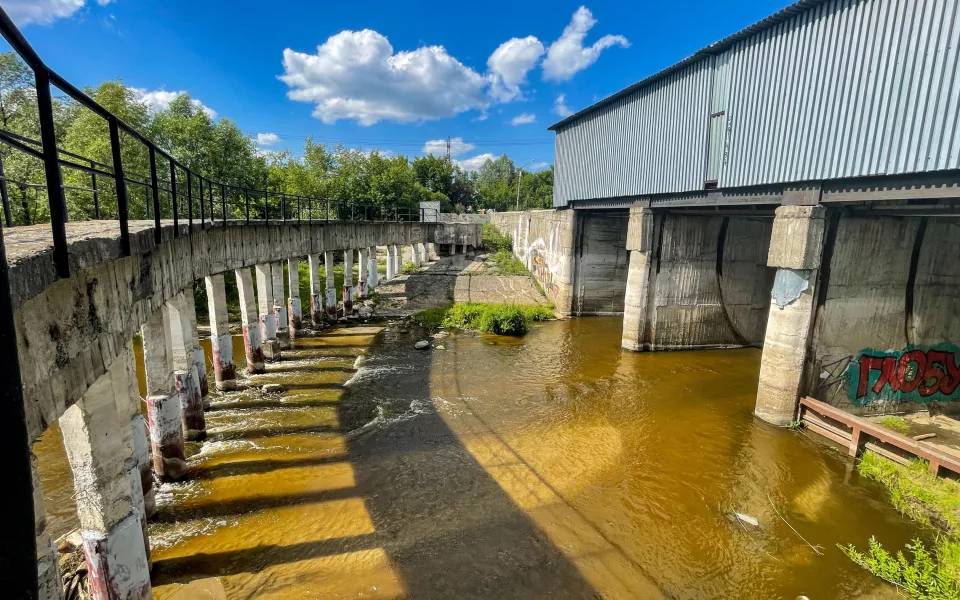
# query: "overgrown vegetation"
928,499
508,264
500,319
408,268
494,240
894,423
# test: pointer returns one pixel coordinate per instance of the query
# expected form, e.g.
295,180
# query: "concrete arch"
69,331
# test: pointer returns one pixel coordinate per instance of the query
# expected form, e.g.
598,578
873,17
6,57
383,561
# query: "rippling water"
551,466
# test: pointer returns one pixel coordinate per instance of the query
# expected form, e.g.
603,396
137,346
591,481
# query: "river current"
549,466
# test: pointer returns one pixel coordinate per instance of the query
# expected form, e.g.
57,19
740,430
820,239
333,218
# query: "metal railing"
206,201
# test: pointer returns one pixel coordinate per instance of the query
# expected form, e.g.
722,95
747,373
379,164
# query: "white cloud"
523,119
158,100
356,75
539,166
44,12
267,139
560,106
509,64
475,162
567,56
439,147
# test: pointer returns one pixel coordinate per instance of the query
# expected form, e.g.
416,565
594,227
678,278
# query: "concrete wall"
464,218
544,241
891,287
69,331
710,283
600,269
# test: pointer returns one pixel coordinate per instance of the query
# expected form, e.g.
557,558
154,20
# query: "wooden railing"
857,434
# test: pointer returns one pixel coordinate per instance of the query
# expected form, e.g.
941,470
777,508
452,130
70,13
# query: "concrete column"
186,379
127,395
199,360
432,252
421,250
373,275
280,306
267,313
331,288
224,371
463,248
640,245
294,310
163,404
796,245
348,282
48,573
316,291
391,262
397,260
415,255
113,536
250,321
361,291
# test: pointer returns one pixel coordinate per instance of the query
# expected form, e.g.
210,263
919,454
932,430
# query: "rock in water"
422,345
272,388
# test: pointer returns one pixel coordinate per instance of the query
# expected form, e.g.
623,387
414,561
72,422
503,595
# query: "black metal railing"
170,191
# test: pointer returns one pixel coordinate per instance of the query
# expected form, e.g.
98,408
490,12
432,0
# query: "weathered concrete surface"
640,245
600,267
791,310
544,241
498,289
69,331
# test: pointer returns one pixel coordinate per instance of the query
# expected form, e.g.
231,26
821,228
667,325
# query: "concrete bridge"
74,342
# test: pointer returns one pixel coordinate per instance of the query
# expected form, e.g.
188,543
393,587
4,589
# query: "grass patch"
898,424
508,264
494,241
925,498
500,319
408,269
432,317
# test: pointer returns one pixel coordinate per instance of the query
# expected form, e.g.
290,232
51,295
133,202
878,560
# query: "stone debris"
441,334
422,345
747,519
272,388
69,542
440,347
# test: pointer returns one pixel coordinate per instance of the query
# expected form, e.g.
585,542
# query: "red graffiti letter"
934,374
888,372
914,356
949,384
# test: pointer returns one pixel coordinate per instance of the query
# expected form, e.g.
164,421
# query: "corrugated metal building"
820,90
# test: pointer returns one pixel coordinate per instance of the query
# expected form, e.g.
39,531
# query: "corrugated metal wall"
849,88
651,141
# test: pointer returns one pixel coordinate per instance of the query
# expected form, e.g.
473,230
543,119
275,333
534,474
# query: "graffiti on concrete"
914,374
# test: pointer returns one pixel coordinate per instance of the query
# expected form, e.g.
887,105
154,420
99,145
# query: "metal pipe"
157,234
123,205
173,199
223,202
51,167
96,196
246,202
190,201
5,196
203,217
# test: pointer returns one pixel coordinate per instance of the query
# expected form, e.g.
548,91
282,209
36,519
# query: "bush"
923,577
431,317
500,319
508,264
494,241
408,268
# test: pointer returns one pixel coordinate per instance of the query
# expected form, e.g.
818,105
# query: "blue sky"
386,75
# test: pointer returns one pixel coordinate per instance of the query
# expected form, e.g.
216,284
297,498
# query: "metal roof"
714,48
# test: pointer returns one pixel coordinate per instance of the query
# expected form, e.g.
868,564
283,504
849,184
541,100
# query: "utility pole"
448,147
519,179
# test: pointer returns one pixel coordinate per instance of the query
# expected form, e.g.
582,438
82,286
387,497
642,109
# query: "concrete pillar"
127,396
163,404
199,360
280,306
397,260
224,371
294,310
113,535
348,282
432,252
331,288
250,321
640,245
267,313
316,291
415,255
796,245
361,291
421,250
463,248
48,572
186,379
391,262
373,274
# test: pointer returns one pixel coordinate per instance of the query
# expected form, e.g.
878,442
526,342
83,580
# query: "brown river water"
549,466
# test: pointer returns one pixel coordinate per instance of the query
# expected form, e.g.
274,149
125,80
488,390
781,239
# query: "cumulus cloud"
523,119
475,162
567,56
158,100
44,12
439,147
560,106
509,64
356,75
267,139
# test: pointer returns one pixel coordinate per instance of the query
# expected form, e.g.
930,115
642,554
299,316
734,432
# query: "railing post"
51,168
223,202
173,198
283,207
157,237
328,210
210,194
298,209
203,216
246,202
5,196
96,194
123,204
266,206
190,201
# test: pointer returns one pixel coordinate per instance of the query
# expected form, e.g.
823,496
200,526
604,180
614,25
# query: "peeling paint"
788,286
